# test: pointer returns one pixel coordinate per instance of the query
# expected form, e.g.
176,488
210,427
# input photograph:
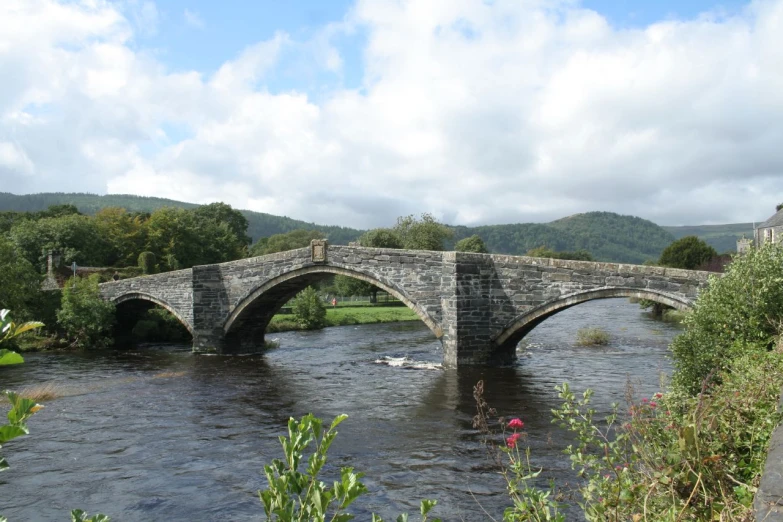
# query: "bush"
688,252
309,311
738,313
592,337
295,495
84,317
471,244
380,238
147,263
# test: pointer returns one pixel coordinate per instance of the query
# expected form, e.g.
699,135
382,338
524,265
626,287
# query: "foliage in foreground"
739,313
9,331
84,317
295,495
699,458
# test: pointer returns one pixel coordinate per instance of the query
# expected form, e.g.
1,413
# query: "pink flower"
645,400
658,395
653,404
516,424
511,442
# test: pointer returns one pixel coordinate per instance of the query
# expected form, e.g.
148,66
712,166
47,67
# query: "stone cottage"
771,230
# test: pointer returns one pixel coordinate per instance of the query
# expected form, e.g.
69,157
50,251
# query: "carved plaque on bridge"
318,248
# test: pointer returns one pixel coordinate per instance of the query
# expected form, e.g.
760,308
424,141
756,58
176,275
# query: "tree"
147,263
75,236
84,316
125,233
688,252
19,281
282,242
471,244
380,238
778,207
738,313
223,213
309,310
422,234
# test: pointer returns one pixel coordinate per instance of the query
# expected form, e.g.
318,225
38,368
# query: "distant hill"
607,236
723,238
259,224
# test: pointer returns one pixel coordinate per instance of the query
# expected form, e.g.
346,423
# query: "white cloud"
193,19
508,111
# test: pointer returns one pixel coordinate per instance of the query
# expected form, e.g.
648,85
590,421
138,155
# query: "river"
160,434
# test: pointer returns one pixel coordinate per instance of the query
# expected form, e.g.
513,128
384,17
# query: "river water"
160,434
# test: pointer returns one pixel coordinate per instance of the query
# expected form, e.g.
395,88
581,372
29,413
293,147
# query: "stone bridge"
479,305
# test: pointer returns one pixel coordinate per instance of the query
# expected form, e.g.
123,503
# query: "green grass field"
348,315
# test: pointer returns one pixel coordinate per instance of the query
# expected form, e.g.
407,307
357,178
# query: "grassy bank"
348,315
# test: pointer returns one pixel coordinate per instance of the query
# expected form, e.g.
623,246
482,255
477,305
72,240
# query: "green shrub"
471,244
309,311
295,495
739,312
84,317
592,337
678,458
147,262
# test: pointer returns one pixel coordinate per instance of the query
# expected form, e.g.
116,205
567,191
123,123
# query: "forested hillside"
607,236
722,238
259,224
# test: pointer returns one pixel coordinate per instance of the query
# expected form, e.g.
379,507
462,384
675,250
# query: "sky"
355,112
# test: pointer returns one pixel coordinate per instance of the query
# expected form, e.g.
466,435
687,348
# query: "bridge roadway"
479,305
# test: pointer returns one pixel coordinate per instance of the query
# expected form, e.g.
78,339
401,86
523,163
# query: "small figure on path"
334,302
116,276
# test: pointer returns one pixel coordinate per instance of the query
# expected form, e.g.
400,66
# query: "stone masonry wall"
174,289
478,304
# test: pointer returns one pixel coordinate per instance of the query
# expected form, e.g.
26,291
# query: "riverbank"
348,315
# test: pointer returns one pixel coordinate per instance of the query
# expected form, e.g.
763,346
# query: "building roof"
774,221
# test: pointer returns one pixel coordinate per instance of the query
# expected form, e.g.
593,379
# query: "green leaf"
337,420
11,432
8,357
427,505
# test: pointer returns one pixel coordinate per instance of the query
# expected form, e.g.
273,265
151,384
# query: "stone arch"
141,296
312,273
520,326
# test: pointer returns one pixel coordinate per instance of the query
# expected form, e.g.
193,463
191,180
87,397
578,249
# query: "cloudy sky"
355,112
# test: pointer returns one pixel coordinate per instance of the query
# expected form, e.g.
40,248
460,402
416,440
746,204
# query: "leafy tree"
19,281
739,312
350,286
471,244
282,242
381,238
688,252
422,234
125,233
778,207
58,211
216,213
85,317
76,237
147,262
309,310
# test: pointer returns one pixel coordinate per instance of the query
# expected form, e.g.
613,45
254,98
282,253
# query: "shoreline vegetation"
350,313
